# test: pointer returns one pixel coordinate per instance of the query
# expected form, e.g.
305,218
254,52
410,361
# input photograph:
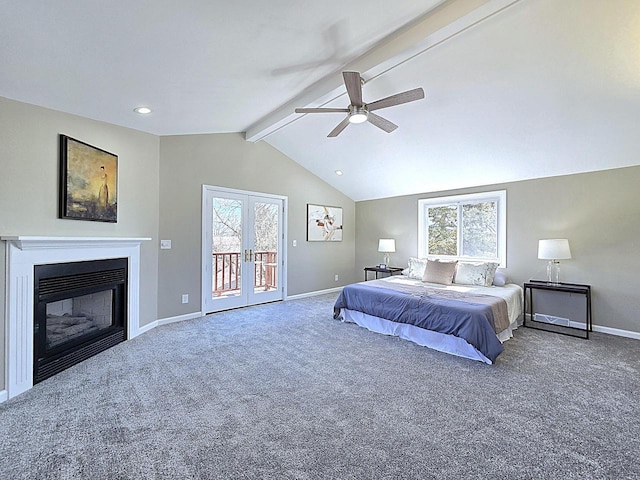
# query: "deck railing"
264,272
226,266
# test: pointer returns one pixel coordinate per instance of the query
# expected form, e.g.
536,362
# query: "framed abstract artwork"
88,182
324,223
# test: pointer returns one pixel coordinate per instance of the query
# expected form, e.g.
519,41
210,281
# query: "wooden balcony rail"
226,266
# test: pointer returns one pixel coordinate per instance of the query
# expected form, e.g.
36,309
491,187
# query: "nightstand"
562,288
378,271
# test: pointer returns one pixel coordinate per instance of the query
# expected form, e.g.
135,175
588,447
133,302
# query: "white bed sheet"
511,293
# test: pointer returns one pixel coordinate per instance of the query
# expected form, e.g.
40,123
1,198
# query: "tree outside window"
469,227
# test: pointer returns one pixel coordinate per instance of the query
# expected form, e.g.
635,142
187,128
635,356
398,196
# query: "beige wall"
29,188
598,212
227,160
160,190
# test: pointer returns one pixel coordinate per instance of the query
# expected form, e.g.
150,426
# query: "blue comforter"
473,322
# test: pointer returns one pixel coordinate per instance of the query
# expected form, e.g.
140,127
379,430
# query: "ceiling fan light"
358,117
357,114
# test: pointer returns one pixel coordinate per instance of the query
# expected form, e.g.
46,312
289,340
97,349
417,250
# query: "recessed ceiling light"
338,172
142,110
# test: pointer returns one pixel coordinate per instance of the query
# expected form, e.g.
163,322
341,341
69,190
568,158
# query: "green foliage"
478,227
443,230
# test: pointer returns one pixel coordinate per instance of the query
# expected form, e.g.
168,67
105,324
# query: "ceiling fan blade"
322,110
380,122
353,82
397,99
339,128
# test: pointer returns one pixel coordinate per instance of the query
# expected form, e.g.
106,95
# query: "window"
464,227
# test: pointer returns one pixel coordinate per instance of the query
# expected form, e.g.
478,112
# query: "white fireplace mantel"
32,242
22,254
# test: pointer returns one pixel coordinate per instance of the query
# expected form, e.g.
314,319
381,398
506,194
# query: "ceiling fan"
359,112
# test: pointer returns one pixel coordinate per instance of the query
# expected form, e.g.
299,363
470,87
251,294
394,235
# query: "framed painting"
88,182
324,223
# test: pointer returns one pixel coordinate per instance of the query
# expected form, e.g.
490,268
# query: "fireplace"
79,311
23,254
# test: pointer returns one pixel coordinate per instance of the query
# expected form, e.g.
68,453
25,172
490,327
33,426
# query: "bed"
467,320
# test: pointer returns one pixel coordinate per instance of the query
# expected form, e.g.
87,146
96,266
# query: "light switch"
295,243
165,244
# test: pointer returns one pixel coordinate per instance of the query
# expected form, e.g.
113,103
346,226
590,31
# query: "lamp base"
553,272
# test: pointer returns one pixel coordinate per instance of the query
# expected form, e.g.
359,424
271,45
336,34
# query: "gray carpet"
283,391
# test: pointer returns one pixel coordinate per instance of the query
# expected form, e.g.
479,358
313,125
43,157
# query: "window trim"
500,196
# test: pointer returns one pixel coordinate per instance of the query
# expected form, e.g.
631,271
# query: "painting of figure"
324,223
89,182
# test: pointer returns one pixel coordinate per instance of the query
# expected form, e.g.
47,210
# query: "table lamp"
386,246
553,250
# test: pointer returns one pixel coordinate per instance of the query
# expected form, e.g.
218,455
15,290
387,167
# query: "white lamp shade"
554,249
387,245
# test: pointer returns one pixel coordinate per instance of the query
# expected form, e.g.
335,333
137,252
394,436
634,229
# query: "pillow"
476,273
501,278
416,267
492,267
439,272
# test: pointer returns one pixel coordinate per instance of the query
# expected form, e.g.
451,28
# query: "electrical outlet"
185,298
335,278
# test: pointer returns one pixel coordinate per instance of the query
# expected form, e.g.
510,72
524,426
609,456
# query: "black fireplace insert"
80,310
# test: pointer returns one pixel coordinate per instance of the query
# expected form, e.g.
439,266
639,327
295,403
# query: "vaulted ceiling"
515,89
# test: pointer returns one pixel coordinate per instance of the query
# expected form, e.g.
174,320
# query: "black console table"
576,288
378,271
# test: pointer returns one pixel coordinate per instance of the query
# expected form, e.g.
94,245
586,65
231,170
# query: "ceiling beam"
435,27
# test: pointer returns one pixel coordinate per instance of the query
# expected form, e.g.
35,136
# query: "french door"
243,248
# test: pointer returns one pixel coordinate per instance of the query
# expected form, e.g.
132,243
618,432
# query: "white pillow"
476,273
501,278
416,267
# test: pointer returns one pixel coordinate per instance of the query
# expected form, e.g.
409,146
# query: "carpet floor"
283,391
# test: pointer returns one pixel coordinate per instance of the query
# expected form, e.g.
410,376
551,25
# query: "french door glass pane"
266,247
227,248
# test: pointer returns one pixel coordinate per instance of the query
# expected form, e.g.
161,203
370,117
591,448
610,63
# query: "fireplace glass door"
79,311
73,318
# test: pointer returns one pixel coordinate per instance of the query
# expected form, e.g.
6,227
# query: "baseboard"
313,294
179,318
147,327
608,330
616,331
3,396
164,321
